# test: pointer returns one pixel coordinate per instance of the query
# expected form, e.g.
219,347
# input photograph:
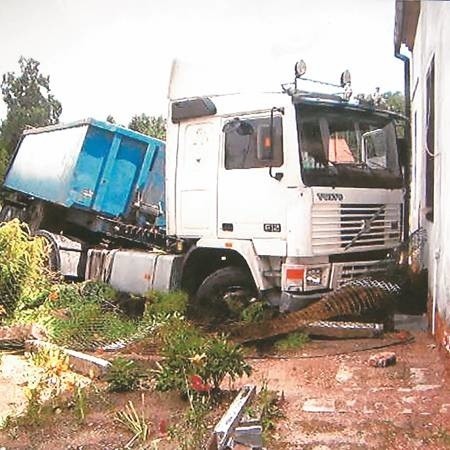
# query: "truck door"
251,201
196,178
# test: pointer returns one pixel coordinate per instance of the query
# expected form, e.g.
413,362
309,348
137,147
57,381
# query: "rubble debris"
229,429
320,405
88,365
14,337
343,374
344,330
383,359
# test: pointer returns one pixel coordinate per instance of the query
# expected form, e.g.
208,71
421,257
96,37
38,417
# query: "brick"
383,359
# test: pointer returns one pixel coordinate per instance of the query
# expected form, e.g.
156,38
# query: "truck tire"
224,294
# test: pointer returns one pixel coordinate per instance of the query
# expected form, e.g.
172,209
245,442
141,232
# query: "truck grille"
337,228
345,272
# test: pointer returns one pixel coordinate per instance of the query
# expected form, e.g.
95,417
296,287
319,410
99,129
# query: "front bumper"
341,273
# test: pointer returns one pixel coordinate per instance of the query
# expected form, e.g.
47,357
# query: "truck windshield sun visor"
347,148
192,108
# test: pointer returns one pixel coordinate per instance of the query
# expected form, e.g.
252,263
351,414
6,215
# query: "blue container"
89,165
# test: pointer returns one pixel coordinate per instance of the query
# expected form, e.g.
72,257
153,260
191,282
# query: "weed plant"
293,341
123,375
24,282
202,360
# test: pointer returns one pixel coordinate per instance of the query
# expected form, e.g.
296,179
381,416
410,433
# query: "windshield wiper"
363,165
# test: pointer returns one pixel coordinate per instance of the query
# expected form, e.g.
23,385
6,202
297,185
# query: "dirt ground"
332,400
404,406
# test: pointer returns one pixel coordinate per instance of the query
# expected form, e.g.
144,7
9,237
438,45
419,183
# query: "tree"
29,102
395,101
149,125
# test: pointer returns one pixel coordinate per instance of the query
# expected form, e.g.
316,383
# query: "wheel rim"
232,300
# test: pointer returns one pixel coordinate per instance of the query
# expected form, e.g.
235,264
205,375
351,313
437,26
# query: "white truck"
276,196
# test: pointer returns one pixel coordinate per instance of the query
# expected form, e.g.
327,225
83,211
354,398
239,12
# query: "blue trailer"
89,179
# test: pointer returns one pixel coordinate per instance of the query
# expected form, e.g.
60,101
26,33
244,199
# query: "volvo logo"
330,197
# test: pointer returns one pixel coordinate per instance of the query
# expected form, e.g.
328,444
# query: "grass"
293,341
134,422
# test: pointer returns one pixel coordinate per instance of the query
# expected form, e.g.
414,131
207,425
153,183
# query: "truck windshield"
340,147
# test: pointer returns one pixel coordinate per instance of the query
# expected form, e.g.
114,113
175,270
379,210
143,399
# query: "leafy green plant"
80,402
52,359
123,375
203,361
191,429
78,315
34,408
24,281
165,303
134,422
269,406
266,407
292,341
257,311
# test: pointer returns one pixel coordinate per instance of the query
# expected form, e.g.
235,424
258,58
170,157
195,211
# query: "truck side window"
250,146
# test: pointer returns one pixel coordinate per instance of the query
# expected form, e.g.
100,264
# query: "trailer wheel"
224,294
6,213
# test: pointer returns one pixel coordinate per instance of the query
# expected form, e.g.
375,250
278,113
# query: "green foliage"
196,362
268,408
51,359
29,102
292,341
123,375
191,430
162,303
80,403
149,125
24,281
4,160
395,101
134,422
80,315
223,358
256,312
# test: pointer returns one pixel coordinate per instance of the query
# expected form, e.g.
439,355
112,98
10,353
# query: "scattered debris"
230,430
418,374
14,337
383,359
320,405
344,330
83,363
344,374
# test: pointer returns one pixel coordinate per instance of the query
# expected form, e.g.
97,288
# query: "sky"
115,56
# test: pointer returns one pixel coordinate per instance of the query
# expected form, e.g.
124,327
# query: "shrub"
194,362
77,315
292,341
123,375
24,281
162,303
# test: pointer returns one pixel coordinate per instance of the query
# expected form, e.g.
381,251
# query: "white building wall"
433,39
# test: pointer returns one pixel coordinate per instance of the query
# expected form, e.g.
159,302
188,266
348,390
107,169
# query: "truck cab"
281,196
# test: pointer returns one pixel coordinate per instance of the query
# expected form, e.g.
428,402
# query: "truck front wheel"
224,294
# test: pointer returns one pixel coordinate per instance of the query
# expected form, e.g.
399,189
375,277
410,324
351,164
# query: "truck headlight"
317,277
300,278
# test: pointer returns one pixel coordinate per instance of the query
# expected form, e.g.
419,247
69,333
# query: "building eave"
406,18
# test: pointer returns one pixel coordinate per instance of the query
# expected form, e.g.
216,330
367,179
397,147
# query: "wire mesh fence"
92,315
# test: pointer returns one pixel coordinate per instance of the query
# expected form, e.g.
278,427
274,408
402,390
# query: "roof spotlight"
346,78
300,68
